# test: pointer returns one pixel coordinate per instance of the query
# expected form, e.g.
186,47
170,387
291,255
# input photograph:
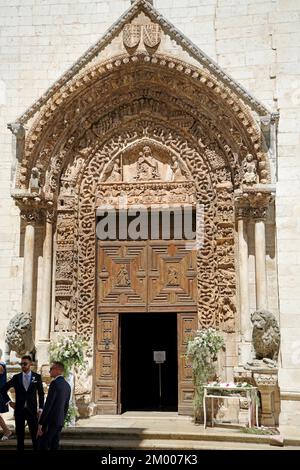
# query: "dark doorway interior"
141,334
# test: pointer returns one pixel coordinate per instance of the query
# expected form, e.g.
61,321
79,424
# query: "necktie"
26,382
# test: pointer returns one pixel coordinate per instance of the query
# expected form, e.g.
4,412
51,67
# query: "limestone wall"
256,41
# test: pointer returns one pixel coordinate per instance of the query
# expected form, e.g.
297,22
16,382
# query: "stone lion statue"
265,335
19,336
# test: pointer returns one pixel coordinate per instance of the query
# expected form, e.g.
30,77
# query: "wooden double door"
146,301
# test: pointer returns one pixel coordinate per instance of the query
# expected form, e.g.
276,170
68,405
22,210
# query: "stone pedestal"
266,381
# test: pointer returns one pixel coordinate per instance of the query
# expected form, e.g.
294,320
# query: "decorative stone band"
270,380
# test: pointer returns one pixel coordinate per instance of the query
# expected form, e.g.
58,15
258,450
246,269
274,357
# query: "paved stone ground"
179,431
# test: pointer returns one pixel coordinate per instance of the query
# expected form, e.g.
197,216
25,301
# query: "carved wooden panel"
146,276
122,276
172,276
106,373
186,326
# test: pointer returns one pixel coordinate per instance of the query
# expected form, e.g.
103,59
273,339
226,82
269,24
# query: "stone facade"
257,43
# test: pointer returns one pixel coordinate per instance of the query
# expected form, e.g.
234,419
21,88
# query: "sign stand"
159,357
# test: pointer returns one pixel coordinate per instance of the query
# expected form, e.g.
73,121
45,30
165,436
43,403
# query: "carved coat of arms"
152,34
131,35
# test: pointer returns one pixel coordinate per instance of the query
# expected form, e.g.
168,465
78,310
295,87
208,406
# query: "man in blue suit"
55,410
28,385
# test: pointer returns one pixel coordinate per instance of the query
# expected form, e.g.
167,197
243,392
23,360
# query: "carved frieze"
146,193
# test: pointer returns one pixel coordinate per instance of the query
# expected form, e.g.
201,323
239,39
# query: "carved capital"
32,215
258,213
242,213
31,209
252,204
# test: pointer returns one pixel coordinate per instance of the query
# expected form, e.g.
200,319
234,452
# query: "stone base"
266,381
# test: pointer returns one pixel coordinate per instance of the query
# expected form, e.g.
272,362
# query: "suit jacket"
22,396
57,403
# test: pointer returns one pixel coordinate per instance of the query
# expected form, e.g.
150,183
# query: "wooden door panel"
154,276
172,277
122,276
186,326
106,371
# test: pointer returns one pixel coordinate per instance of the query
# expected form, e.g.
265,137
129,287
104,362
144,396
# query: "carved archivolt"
96,103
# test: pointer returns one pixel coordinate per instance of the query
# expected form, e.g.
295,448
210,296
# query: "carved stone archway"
106,109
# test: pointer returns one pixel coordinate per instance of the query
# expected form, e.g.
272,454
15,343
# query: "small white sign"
159,356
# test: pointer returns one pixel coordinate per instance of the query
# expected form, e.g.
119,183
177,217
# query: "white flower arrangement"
202,353
69,351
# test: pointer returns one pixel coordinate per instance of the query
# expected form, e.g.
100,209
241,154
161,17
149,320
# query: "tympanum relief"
144,164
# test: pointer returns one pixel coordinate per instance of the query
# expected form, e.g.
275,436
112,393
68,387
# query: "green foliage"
71,414
69,350
202,353
261,431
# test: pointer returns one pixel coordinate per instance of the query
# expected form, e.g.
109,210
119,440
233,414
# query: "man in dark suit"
27,385
55,410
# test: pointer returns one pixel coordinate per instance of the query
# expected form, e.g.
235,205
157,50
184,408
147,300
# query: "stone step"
120,434
152,444
209,434
126,438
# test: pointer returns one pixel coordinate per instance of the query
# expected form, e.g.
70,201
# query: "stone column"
45,309
245,324
260,259
243,274
28,266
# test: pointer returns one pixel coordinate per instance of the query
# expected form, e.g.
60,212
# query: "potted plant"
70,351
201,353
